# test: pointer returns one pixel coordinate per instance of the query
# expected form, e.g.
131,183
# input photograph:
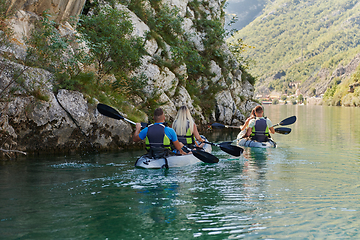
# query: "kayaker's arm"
246,124
197,135
272,130
178,145
136,137
248,132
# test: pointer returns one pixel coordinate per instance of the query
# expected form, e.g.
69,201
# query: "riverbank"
314,101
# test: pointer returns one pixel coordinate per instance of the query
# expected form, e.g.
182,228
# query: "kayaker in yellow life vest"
158,136
259,128
185,128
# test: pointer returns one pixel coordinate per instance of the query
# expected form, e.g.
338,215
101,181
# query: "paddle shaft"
219,125
227,126
113,113
128,120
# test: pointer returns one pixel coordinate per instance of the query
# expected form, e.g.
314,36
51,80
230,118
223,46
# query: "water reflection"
157,202
229,196
309,182
257,162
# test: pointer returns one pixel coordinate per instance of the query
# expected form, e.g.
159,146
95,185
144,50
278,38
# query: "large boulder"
64,121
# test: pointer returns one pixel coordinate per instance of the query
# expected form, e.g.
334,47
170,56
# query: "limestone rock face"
66,121
326,77
61,9
226,107
238,98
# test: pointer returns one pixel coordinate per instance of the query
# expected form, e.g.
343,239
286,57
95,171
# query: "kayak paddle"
202,155
228,148
219,125
283,130
113,113
286,121
205,156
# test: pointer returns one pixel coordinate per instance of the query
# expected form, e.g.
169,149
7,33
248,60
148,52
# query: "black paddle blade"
288,121
283,130
231,149
109,111
228,148
205,156
218,125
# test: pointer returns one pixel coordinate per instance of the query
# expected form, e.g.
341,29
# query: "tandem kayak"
146,161
245,142
252,143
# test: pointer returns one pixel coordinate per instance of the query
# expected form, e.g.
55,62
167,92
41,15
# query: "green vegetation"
6,35
106,33
48,50
275,101
237,47
99,60
102,70
5,30
301,99
339,94
293,40
165,27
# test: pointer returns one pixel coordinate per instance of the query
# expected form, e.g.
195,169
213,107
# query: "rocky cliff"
62,9
325,78
67,121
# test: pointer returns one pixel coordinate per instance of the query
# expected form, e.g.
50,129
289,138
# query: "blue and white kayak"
172,161
244,142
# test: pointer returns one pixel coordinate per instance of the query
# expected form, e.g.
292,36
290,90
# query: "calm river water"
307,188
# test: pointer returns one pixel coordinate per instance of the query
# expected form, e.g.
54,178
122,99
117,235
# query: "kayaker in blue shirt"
259,128
158,137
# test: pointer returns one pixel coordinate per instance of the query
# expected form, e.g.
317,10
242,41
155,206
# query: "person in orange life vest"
185,128
259,128
157,135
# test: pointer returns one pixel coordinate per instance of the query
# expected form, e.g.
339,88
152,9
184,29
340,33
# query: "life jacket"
188,139
260,131
156,138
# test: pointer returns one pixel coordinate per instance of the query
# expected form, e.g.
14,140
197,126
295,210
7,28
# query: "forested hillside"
295,41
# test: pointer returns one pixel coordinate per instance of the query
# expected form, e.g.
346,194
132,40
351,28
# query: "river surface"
307,188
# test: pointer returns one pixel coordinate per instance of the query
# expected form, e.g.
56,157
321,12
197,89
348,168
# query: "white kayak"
244,142
172,161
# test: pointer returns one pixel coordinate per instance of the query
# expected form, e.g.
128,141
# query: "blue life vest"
156,137
260,131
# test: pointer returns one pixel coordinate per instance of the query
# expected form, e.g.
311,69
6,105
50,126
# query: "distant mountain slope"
244,10
297,40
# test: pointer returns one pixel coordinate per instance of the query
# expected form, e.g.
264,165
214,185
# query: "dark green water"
307,188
